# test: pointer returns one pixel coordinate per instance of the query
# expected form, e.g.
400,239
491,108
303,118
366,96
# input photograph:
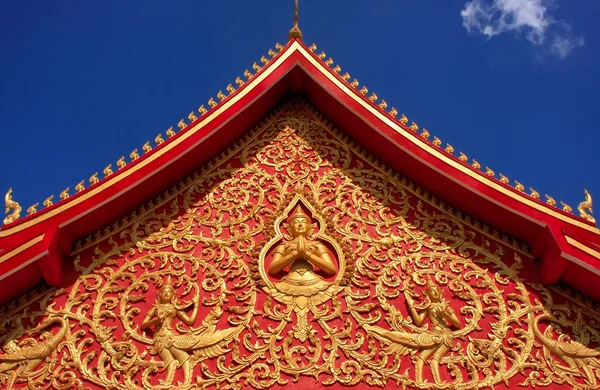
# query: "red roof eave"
297,69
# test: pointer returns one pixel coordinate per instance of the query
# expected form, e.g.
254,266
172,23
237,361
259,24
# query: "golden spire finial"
295,32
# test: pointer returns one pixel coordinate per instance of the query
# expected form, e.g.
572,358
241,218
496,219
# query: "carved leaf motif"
206,235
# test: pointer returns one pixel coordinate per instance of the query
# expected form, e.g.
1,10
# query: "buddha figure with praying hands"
302,257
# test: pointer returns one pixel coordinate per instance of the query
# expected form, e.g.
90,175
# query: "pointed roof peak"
295,32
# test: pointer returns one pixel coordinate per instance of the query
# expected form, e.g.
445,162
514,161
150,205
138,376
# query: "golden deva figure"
302,255
173,347
432,343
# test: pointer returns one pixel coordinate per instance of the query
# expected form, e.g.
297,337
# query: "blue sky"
512,83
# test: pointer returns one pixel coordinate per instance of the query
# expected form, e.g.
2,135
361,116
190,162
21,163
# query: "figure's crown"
169,283
299,213
430,284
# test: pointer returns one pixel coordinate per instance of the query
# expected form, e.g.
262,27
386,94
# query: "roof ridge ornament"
295,32
11,204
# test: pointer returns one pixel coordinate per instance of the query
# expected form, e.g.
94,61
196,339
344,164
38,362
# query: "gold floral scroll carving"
295,258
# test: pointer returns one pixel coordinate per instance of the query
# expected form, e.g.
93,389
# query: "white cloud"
563,46
529,17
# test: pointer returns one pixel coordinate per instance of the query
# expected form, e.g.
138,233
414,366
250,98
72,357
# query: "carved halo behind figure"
324,286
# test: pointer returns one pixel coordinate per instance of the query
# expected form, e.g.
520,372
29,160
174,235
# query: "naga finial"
585,208
10,204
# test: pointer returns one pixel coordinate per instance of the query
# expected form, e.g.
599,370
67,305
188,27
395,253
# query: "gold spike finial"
566,207
94,178
585,208
108,170
79,187
463,157
519,186
449,148
534,194
403,119
65,194
182,124
32,209
295,32
503,179
550,200
134,155
146,147
121,163
10,204
436,141
192,116
489,172
170,132
159,139
48,202
476,164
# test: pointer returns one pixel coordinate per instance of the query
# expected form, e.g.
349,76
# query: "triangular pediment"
35,247
385,284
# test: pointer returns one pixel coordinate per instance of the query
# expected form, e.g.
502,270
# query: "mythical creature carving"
20,363
10,204
173,348
434,343
578,357
585,208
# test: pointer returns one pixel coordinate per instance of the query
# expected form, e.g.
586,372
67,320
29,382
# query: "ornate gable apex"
568,246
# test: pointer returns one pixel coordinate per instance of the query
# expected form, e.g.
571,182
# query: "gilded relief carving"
296,255
432,343
173,348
